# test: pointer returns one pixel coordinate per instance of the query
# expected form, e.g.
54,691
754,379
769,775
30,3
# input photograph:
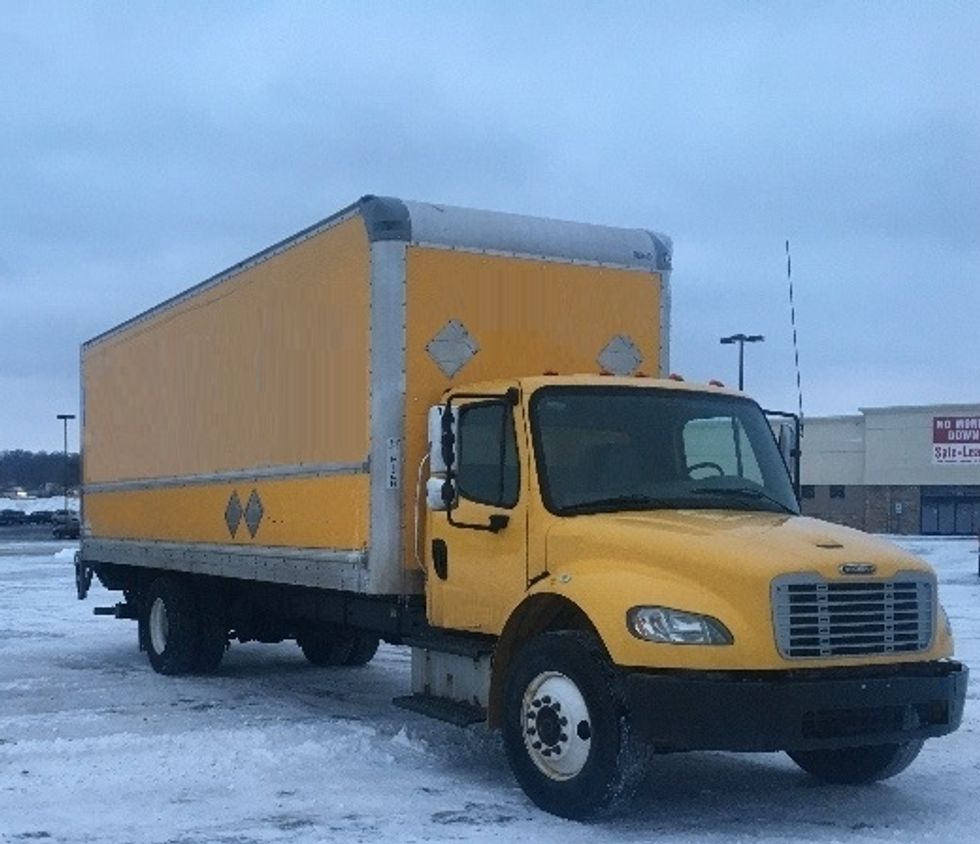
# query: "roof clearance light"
675,377
714,382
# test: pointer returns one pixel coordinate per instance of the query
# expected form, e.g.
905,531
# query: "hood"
689,542
719,563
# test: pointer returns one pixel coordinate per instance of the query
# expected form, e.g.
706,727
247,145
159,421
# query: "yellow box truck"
452,429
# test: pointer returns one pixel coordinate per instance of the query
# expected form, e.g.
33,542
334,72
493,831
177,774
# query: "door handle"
440,558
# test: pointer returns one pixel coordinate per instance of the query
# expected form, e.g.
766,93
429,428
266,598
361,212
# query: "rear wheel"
181,629
363,650
338,647
566,731
856,765
170,626
212,639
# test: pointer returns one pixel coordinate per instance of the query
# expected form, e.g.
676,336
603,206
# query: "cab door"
477,547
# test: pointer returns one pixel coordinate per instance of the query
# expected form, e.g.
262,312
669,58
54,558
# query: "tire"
212,639
857,765
363,651
170,626
183,629
338,647
566,730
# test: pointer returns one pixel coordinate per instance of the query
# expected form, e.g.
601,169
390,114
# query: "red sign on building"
956,439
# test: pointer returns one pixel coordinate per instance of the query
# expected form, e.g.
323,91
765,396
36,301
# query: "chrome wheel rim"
556,725
159,627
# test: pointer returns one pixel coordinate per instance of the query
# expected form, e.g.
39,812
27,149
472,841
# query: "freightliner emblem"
858,568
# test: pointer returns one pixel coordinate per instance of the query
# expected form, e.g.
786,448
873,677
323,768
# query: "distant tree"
33,469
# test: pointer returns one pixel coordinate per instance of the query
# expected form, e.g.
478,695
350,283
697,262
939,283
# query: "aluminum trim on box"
255,473
388,339
327,568
495,232
385,218
665,305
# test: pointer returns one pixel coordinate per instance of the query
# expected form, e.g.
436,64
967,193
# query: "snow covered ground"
95,747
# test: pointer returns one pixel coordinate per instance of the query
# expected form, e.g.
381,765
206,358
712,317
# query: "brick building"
908,470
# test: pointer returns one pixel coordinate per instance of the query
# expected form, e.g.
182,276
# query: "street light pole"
64,417
741,339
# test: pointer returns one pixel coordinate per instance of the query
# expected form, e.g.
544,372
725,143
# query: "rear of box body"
269,424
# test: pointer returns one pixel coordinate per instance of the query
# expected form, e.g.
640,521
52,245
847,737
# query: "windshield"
605,449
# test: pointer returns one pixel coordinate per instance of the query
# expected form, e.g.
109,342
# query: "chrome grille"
815,617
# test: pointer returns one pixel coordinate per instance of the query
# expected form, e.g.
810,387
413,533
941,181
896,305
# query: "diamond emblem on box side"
233,513
452,348
620,356
253,513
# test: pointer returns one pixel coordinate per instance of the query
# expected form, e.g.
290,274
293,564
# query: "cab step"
454,712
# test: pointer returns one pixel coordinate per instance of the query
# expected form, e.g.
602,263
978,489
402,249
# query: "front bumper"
796,710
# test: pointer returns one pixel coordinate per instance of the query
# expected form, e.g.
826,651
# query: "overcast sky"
146,146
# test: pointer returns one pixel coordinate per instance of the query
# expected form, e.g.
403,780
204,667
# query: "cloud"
146,147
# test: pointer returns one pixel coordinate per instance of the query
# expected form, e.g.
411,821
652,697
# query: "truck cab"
643,536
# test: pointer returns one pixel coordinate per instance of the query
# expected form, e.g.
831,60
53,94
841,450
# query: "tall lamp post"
741,339
64,417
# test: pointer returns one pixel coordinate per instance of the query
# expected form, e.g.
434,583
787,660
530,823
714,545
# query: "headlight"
945,621
676,627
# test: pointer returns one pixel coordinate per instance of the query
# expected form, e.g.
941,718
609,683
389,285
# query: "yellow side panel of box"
329,512
527,316
266,368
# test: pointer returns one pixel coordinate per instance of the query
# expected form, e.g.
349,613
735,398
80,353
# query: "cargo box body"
269,423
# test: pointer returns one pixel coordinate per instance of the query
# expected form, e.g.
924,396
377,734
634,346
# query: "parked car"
12,517
40,517
69,529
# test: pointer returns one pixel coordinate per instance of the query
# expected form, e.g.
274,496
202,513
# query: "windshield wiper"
750,492
632,501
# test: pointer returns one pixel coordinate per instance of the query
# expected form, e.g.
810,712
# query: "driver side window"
487,470
720,443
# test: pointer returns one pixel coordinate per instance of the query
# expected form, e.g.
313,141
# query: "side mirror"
786,440
440,491
442,440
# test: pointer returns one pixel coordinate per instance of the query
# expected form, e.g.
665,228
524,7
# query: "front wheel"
566,731
856,765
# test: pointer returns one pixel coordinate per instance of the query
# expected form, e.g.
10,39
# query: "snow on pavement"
95,747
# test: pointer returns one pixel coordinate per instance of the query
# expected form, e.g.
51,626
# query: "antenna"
792,320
